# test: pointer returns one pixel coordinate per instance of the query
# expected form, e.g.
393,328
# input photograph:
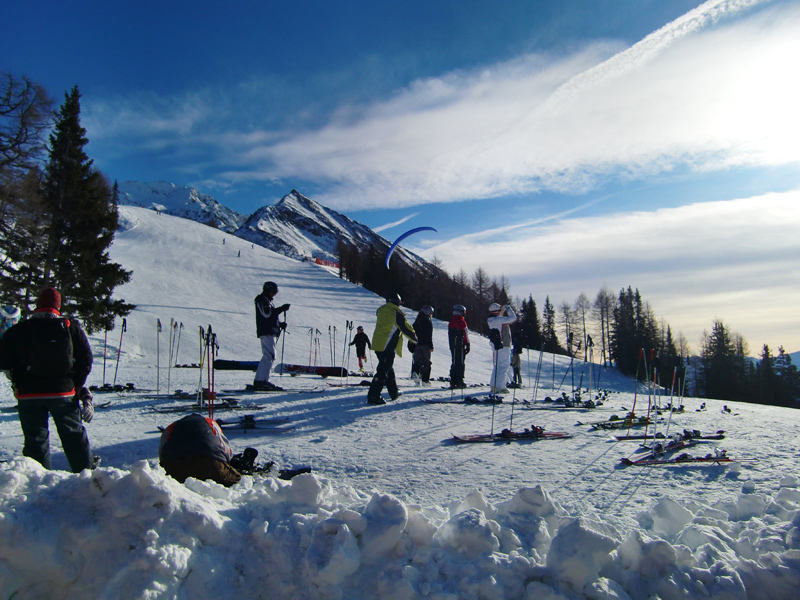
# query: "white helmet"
494,307
459,309
9,315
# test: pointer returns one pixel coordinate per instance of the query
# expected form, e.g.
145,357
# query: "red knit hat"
49,298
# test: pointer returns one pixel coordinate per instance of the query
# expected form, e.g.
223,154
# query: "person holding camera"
499,321
267,330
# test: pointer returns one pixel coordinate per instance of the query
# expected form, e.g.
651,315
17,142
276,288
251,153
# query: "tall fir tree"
82,217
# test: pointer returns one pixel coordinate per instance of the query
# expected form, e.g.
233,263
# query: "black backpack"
496,338
50,352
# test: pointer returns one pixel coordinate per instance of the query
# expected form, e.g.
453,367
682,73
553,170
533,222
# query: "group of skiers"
48,359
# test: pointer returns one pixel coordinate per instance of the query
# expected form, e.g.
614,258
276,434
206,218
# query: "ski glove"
466,349
282,325
283,308
87,408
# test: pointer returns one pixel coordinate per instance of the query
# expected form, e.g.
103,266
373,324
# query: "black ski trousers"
458,357
384,376
33,417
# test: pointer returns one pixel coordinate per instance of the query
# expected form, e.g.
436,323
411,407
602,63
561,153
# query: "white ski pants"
502,364
267,357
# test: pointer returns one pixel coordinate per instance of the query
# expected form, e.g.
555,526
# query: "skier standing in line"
48,358
361,341
421,362
267,329
500,317
458,339
517,341
387,340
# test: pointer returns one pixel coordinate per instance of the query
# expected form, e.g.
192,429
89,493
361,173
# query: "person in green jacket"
386,341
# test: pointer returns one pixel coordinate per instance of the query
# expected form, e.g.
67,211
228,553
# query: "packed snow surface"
393,509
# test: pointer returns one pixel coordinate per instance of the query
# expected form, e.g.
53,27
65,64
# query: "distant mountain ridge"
295,226
180,201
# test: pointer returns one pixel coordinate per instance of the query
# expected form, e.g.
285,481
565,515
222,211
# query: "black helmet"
460,309
270,287
394,298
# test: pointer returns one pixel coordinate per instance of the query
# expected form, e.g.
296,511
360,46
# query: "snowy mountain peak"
180,201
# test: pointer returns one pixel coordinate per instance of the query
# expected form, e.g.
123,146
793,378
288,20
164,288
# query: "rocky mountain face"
300,228
180,201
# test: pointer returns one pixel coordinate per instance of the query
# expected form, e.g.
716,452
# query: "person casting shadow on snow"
421,362
458,339
361,341
500,317
267,329
48,358
386,341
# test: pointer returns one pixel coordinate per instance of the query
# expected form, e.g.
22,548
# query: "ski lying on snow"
684,459
532,434
250,389
218,405
248,422
466,400
695,435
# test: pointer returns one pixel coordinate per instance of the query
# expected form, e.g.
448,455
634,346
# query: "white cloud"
735,260
711,90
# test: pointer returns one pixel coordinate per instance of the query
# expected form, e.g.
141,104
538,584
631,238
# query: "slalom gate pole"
310,344
635,390
158,356
105,351
283,342
330,342
333,355
119,350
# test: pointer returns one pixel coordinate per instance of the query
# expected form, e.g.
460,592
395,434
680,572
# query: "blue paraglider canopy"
402,237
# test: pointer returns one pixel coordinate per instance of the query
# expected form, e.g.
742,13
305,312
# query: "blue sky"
563,145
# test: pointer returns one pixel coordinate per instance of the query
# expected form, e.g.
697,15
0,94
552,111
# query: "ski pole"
635,390
202,360
119,350
105,351
172,325
158,356
671,399
333,355
283,341
178,346
330,342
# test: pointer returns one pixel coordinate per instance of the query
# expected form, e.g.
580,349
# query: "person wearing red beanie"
48,358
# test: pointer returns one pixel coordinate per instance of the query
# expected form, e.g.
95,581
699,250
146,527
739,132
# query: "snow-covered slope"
180,201
394,509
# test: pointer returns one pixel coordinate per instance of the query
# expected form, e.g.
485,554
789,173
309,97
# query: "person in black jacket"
421,361
267,330
48,359
361,341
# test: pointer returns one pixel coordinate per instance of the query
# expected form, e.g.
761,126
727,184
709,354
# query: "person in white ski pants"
499,321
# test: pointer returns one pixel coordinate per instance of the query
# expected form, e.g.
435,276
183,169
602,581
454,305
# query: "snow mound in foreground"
140,534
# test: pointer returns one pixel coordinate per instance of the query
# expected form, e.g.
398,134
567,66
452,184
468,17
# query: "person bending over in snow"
361,341
48,358
459,346
267,329
195,446
386,341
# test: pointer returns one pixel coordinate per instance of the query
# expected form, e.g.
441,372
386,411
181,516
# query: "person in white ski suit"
500,318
